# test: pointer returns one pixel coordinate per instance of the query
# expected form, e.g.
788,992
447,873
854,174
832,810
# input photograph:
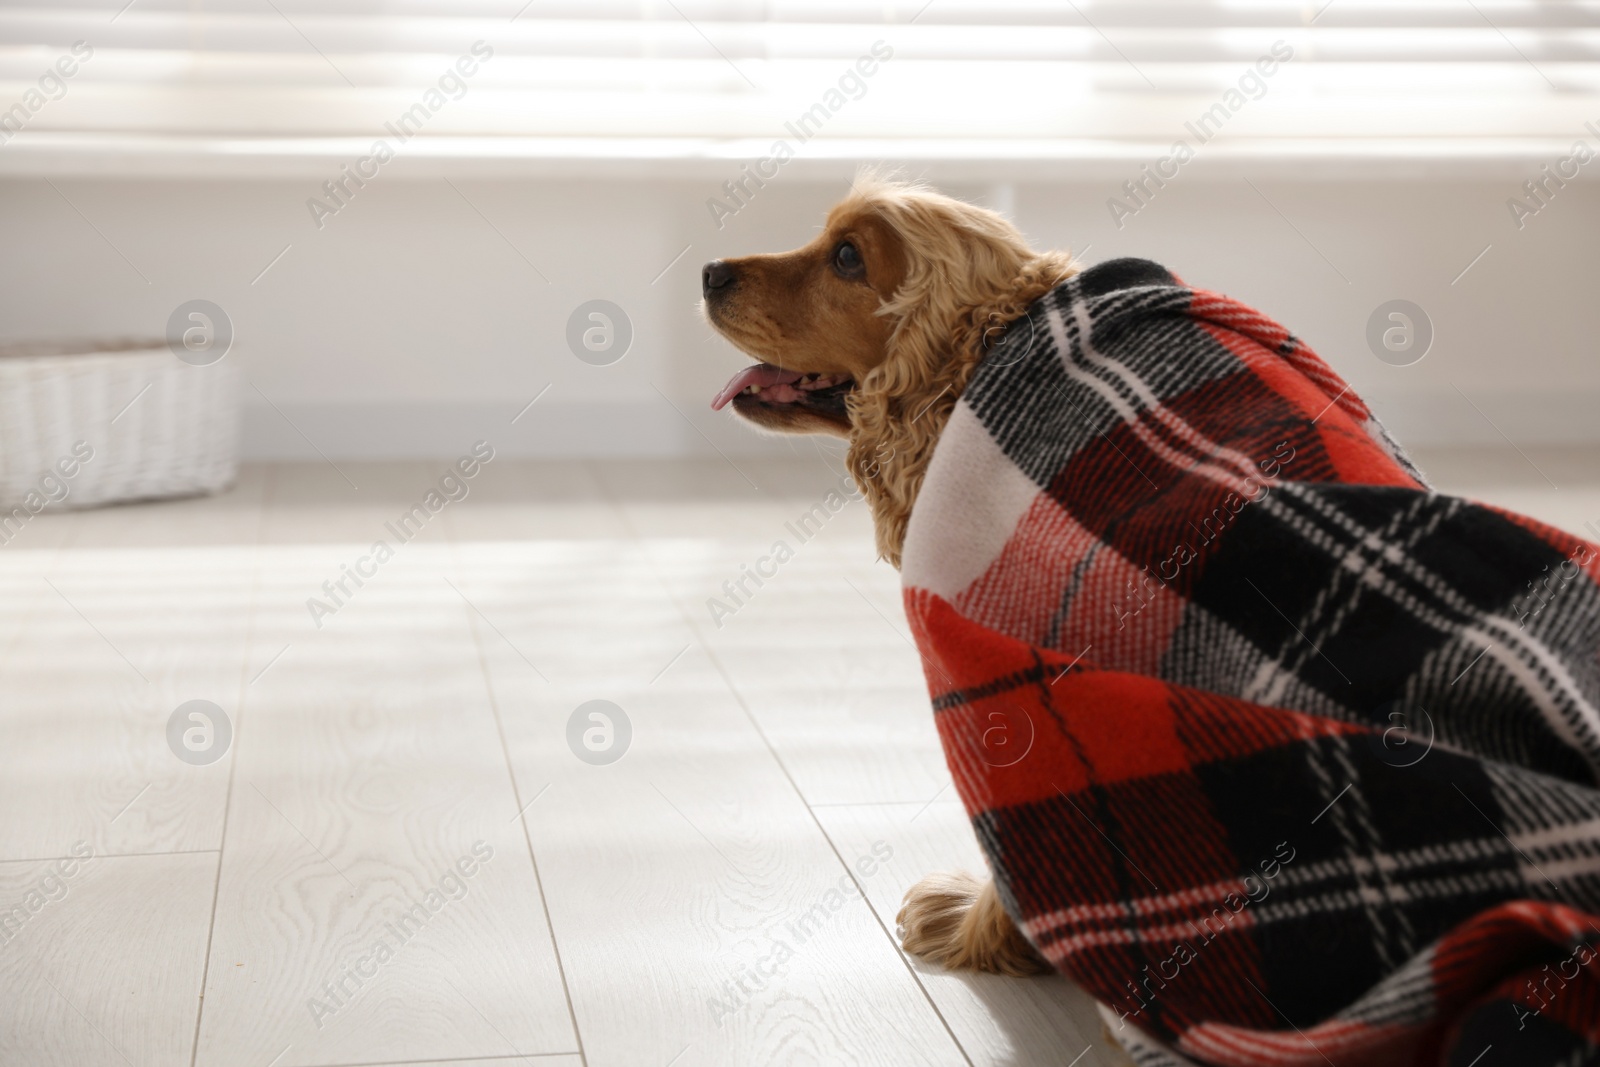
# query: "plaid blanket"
1284,757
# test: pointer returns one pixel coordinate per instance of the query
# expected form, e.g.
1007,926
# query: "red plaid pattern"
1286,758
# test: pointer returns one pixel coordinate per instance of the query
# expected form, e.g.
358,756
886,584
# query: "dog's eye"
847,261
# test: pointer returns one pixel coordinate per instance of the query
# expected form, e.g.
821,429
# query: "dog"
870,333
1208,726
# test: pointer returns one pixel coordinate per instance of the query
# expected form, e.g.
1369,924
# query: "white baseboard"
1522,418
625,430
445,430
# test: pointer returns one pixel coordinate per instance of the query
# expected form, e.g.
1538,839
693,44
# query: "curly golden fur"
970,274
941,281
871,332
957,922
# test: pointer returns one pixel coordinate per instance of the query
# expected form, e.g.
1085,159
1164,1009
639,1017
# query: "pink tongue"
762,374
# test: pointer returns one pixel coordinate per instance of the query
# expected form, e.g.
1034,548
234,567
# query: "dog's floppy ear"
968,270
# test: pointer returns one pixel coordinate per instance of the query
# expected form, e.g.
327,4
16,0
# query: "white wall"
409,326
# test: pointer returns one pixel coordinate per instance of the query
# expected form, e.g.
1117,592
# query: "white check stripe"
1238,466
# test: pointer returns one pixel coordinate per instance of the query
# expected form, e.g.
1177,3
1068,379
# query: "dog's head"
823,318
870,331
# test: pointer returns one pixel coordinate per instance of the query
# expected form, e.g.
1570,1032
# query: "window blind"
621,73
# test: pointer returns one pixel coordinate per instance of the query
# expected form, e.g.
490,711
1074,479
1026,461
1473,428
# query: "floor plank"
824,663
108,972
114,641
1017,1022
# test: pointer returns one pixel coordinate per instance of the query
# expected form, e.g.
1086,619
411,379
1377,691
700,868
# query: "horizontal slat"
1105,13
204,69
707,98
1350,29
653,41
943,159
267,33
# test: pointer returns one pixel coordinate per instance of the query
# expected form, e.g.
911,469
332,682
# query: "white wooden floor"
698,901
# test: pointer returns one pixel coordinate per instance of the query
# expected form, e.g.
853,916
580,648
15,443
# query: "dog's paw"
956,921
930,916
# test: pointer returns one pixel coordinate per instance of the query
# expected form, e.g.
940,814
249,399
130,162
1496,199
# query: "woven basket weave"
158,427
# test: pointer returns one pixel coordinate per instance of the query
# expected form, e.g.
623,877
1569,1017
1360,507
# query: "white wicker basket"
157,426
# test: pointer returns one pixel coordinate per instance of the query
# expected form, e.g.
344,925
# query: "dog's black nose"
715,275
